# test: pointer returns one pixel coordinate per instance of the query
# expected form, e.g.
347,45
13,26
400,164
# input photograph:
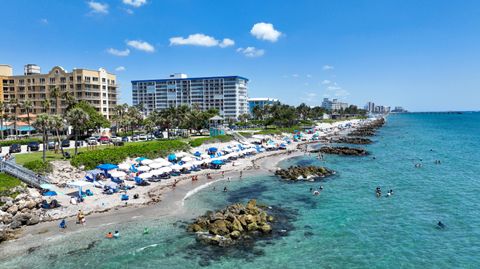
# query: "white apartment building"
227,94
333,104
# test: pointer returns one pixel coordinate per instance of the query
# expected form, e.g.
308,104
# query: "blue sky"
423,55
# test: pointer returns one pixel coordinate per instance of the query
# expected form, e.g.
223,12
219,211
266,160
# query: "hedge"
7,143
151,149
200,141
39,166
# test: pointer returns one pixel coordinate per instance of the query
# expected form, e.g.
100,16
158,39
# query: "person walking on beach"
223,173
80,217
241,174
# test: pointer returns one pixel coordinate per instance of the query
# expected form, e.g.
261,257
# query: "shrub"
7,182
203,140
7,143
39,166
151,149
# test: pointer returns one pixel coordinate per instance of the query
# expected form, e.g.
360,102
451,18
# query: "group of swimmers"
316,192
194,178
378,192
115,235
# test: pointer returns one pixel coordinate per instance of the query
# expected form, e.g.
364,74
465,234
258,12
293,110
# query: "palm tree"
69,99
58,123
120,111
77,118
55,94
3,108
13,103
42,124
28,105
46,105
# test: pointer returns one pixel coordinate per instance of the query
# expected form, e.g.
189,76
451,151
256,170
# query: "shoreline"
164,201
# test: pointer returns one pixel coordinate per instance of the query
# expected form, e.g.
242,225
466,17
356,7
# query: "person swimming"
316,193
146,231
440,225
321,188
116,234
225,189
63,224
109,235
378,192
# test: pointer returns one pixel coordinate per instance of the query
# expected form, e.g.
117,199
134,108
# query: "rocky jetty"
310,173
23,209
63,172
368,129
232,224
351,140
341,151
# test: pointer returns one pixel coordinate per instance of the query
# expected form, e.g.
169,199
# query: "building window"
52,80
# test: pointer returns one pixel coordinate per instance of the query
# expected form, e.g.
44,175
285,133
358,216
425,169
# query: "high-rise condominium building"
260,102
333,104
97,87
228,94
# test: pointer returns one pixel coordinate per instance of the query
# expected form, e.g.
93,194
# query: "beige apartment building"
97,87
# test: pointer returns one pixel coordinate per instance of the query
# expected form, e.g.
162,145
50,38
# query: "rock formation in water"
311,173
341,151
231,224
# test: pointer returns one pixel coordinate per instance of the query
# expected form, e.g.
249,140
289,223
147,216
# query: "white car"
114,139
92,141
142,138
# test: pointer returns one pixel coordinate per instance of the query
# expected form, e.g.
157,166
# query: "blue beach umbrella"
197,154
217,162
107,166
141,159
172,157
212,149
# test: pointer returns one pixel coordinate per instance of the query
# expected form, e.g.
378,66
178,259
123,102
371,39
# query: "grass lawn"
199,141
7,182
22,158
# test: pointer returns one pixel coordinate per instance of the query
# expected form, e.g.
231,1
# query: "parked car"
51,145
151,137
125,139
135,138
33,146
92,141
15,148
114,139
65,143
104,140
142,138
80,143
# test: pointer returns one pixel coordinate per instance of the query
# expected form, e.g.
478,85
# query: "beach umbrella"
107,166
162,161
124,166
172,157
156,172
198,162
187,165
143,168
176,167
205,156
118,174
165,170
146,162
217,162
140,159
79,184
186,159
212,149
50,193
182,154
197,154
156,165
111,184
145,175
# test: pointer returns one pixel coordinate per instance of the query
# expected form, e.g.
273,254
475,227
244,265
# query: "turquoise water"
345,227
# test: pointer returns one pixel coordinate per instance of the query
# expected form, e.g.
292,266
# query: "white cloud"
135,3
226,42
120,69
265,31
326,82
128,11
44,21
200,40
295,75
337,91
251,52
120,53
309,76
327,67
97,7
341,93
141,45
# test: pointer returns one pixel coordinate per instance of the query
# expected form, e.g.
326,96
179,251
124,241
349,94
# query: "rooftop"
194,78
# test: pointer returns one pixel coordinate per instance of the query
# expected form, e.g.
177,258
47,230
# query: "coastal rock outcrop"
341,151
351,140
229,225
63,172
368,129
310,173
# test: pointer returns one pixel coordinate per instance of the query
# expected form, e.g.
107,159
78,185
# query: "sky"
422,55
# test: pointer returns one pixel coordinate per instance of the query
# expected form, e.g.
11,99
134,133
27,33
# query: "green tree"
42,124
55,95
13,104
3,109
79,120
95,119
28,105
46,106
57,124
303,111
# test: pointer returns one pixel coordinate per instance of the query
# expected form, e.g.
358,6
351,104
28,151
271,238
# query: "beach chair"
124,197
88,192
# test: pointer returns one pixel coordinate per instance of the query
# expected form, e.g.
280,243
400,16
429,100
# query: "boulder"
34,219
235,234
249,219
252,227
266,228
12,209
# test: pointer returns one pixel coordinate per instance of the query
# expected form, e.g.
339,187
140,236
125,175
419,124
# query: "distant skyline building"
334,104
260,102
228,94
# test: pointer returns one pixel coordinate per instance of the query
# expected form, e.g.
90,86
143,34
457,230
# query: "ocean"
346,226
